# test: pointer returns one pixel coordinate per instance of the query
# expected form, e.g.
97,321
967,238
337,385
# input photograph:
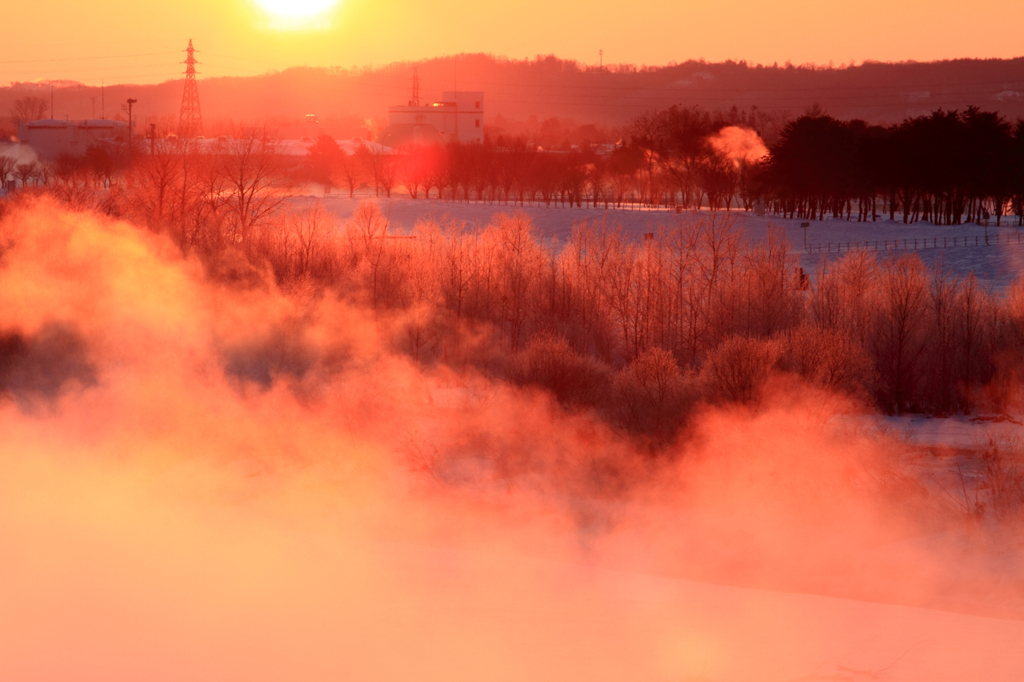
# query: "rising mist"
217,477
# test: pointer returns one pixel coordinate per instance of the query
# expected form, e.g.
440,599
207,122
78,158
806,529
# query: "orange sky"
109,41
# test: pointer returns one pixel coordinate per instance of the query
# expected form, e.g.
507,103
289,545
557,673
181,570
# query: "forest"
639,332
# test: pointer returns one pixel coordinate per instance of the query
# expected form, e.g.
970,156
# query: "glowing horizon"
99,43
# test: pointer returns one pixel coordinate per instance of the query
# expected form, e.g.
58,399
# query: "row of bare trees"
515,173
643,330
206,195
24,173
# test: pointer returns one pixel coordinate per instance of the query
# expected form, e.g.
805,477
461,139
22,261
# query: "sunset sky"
109,41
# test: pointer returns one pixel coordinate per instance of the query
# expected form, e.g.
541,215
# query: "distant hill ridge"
549,86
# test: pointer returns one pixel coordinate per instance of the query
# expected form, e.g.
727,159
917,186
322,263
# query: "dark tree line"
506,171
666,158
946,168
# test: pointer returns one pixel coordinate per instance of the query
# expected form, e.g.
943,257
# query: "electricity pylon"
190,123
415,101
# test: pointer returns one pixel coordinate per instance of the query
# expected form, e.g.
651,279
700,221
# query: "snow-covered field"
278,603
969,433
121,582
994,264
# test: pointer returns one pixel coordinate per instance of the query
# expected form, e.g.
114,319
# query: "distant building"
52,138
458,117
309,129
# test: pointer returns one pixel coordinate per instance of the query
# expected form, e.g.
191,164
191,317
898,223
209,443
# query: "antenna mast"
415,101
190,123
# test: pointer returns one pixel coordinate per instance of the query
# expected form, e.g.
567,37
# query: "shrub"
549,362
827,358
738,369
653,395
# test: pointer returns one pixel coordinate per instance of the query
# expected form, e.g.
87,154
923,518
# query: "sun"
297,11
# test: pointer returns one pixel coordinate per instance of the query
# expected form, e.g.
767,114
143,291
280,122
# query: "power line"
78,59
104,43
248,59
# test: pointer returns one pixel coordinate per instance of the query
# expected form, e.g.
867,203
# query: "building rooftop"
90,123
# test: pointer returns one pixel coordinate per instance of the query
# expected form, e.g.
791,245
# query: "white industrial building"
458,117
52,138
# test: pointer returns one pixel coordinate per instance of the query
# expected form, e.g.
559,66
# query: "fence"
915,244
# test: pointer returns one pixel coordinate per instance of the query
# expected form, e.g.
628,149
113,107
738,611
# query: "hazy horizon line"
583,66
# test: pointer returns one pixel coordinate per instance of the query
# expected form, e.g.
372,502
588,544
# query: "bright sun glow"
296,10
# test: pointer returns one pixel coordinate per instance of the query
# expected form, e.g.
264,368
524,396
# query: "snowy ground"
300,604
994,264
114,577
967,433
632,626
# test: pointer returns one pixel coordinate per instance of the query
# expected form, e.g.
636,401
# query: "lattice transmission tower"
415,101
191,122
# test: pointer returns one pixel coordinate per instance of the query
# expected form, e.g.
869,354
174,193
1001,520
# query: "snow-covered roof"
301,147
104,123
49,123
90,123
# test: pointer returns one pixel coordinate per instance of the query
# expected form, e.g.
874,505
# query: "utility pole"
51,100
131,101
600,54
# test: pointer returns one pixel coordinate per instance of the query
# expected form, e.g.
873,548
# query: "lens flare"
297,10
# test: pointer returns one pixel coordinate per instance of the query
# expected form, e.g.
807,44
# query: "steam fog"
18,153
234,482
739,145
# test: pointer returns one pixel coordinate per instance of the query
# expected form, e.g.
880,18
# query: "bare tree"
171,190
28,109
458,274
249,174
348,171
772,300
945,290
518,257
652,394
7,166
150,183
970,317
384,166
367,237
313,230
70,182
26,171
900,330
